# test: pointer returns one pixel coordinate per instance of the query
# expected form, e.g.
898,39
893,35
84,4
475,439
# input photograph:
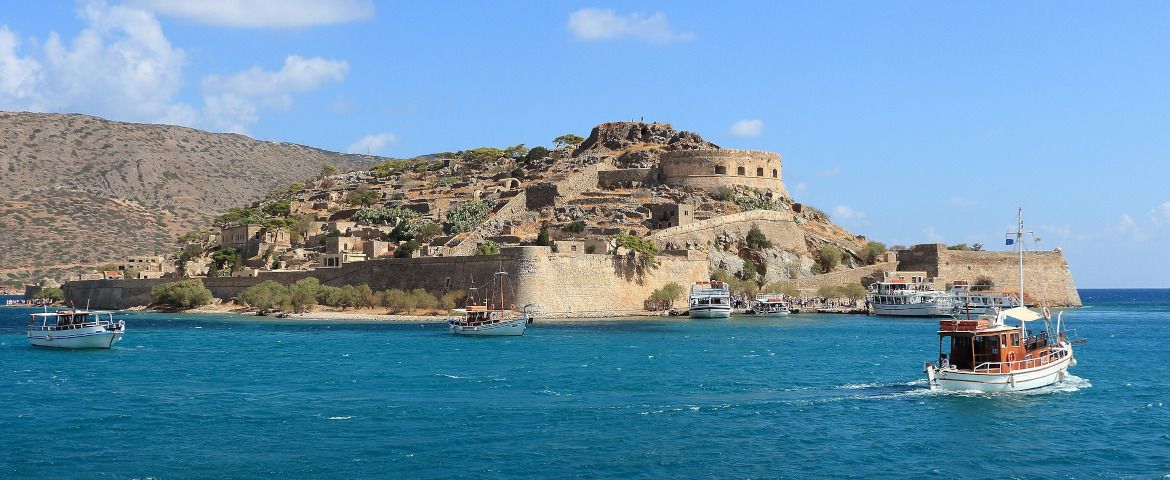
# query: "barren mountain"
80,190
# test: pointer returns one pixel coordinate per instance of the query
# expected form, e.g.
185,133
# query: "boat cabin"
986,345
69,319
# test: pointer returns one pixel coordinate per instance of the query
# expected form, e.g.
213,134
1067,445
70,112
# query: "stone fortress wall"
556,284
714,168
1047,278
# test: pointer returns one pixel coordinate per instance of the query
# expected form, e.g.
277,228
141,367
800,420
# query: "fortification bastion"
713,168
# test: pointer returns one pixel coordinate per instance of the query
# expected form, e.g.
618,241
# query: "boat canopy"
1022,314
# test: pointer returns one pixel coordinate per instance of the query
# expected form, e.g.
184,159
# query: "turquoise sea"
807,396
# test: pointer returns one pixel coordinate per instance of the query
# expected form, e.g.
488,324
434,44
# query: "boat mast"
1020,248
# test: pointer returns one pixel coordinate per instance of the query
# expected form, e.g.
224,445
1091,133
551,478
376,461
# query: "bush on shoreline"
183,294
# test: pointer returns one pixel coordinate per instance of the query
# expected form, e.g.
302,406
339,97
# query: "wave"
340,418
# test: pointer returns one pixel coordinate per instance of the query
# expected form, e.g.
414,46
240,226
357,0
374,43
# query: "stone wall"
626,177
863,275
1047,277
711,169
780,228
555,284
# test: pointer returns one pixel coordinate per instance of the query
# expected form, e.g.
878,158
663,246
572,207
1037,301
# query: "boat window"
1015,339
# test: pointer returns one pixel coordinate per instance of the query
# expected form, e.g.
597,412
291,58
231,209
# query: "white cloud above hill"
372,144
232,103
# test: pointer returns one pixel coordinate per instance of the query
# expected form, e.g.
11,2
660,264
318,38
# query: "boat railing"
1022,364
959,325
107,324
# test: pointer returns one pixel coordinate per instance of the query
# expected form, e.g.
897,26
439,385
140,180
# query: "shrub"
542,238
393,299
424,299
406,250
265,296
671,292
756,240
277,208
828,257
828,291
363,196
181,294
575,227
723,193
488,247
983,283
872,252
303,294
465,217
452,299
329,296
52,294
853,291
536,154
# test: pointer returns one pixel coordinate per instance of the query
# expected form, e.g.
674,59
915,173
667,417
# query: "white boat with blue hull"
710,299
770,305
489,317
75,329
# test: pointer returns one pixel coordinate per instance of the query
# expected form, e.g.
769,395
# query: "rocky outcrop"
615,136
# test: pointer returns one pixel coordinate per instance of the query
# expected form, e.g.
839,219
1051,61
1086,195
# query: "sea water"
803,396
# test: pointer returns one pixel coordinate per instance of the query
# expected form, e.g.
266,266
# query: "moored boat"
971,300
75,329
900,296
710,299
988,354
489,317
770,305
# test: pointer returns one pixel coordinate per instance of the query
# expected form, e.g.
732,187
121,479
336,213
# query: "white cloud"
602,24
1159,215
932,236
1126,226
262,13
747,128
120,65
801,187
842,212
832,172
233,103
963,201
372,144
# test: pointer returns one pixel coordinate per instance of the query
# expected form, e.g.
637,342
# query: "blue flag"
1010,241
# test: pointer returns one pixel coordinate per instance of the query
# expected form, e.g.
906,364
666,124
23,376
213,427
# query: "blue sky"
908,122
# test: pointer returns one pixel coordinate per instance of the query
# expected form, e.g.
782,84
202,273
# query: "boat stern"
931,376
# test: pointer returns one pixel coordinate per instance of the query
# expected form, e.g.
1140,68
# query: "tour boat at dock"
489,317
75,329
899,297
987,354
770,305
968,300
710,299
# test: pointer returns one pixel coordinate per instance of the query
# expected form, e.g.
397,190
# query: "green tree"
52,294
671,292
646,249
872,252
536,154
406,250
278,208
363,196
756,240
542,238
749,271
853,291
303,294
785,288
568,139
182,294
577,226
329,296
828,291
828,257
960,246
265,296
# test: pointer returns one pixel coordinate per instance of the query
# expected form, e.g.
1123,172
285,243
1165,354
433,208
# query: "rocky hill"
78,190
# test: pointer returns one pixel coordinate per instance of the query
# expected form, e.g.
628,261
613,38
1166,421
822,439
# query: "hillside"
592,190
80,190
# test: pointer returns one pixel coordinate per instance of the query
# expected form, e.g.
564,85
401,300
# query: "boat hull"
1019,380
513,328
79,338
715,311
911,310
772,314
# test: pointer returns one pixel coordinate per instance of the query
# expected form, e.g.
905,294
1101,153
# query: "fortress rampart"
711,169
557,285
1047,278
